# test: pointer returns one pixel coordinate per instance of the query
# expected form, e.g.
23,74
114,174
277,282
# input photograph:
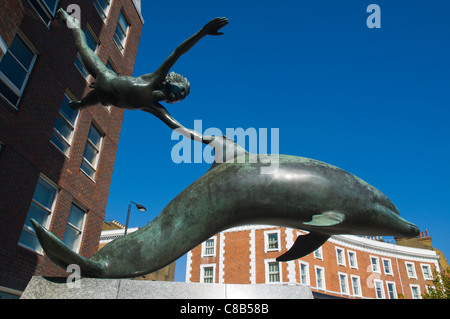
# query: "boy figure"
143,92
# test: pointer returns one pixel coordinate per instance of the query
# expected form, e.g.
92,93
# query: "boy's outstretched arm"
211,28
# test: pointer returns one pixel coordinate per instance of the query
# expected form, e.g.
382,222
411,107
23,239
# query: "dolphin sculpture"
300,193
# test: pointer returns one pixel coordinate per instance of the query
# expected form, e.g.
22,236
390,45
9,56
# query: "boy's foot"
76,105
60,12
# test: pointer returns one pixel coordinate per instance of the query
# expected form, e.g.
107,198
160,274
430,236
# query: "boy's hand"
213,26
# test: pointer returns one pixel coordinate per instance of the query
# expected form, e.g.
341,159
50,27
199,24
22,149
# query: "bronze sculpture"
137,93
301,193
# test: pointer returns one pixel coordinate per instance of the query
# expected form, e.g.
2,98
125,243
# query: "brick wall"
26,132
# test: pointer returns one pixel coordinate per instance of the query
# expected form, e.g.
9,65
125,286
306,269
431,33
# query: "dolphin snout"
392,222
415,231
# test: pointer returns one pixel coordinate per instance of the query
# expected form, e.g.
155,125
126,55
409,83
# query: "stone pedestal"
90,288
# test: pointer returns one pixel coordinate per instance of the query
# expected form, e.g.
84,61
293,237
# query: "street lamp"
139,207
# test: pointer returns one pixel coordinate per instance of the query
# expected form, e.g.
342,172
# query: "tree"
441,289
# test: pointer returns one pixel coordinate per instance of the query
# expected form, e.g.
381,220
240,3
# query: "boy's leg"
89,100
91,61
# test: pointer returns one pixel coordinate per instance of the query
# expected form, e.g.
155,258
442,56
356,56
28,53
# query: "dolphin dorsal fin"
329,218
304,245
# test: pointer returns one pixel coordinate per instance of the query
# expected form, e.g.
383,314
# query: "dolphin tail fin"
63,256
304,245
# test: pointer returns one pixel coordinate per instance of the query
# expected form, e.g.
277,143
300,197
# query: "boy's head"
177,87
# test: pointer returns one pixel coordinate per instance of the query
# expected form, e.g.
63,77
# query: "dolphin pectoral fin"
330,218
304,245
63,256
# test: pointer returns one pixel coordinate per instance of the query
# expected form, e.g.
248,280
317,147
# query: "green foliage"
441,289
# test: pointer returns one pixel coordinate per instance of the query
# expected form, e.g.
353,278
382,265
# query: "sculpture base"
90,288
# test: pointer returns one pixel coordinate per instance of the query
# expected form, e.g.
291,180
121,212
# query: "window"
304,273
273,272
415,291
387,266
426,271
352,259
379,291
3,47
320,278
271,240
343,283
340,256
93,44
356,286
74,228
15,69
410,270
45,9
375,264
92,152
208,248
64,127
120,35
102,7
207,273
41,207
318,253
392,291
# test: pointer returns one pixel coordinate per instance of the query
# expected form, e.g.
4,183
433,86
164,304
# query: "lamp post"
139,207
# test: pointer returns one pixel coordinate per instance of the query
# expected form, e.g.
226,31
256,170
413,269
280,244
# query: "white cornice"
363,244
110,235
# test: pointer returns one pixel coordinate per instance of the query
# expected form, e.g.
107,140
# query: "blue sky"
373,102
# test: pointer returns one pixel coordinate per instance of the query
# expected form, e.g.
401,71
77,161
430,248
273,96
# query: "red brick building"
56,164
345,266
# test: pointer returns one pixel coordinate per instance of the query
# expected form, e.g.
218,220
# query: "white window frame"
266,240
358,280
202,272
50,13
104,13
267,274
411,286
379,283
7,82
74,126
390,272
377,264
425,276
81,230
94,166
322,269
3,47
204,248
340,251
116,39
349,253
307,277
49,216
414,275
344,277
318,253
394,287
